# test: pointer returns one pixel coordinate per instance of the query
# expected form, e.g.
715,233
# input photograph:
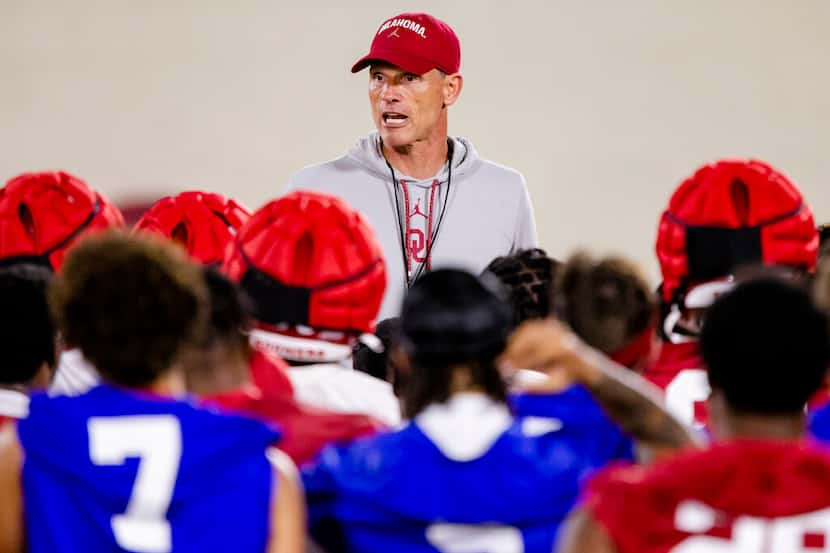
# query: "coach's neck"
422,159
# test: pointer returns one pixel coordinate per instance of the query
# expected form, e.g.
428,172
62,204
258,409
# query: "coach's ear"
452,88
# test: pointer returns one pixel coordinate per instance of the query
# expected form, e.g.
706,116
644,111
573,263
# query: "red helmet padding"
317,242
203,222
775,205
60,208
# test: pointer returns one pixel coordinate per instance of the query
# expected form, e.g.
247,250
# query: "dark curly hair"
132,304
528,276
607,303
377,363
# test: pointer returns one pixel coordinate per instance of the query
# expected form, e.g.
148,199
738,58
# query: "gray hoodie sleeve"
524,234
293,183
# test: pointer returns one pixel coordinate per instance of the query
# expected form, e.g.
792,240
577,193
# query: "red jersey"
743,496
679,372
271,373
819,399
305,430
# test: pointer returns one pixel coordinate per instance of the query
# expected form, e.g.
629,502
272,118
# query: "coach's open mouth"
394,119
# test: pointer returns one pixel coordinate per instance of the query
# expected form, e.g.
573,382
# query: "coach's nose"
390,93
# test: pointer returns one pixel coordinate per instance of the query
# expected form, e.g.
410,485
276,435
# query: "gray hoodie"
487,213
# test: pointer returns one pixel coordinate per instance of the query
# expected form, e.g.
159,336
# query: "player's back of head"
203,223
132,304
766,347
42,215
230,311
608,303
528,276
222,360
451,320
27,332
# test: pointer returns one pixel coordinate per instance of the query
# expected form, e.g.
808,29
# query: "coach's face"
409,108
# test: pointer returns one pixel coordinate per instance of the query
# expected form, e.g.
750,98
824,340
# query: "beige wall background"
604,105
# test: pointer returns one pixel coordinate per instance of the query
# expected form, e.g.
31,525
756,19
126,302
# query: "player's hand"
552,382
547,346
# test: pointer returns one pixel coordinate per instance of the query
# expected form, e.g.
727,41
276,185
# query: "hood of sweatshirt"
367,153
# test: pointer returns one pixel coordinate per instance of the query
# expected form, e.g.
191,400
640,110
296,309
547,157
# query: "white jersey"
75,375
342,389
329,381
13,404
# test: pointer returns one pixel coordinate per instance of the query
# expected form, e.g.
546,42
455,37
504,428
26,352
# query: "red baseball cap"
415,42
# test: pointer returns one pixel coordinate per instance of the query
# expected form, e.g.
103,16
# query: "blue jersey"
582,418
407,491
819,424
113,471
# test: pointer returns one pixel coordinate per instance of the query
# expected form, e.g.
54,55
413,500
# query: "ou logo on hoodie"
417,242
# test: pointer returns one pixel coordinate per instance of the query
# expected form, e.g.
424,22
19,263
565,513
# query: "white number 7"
156,440
475,538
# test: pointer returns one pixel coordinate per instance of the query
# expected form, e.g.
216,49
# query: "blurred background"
605,106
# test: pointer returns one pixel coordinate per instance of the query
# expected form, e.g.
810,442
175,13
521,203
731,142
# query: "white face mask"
700,296
311,348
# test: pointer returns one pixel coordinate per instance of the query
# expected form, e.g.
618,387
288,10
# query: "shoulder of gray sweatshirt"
488,211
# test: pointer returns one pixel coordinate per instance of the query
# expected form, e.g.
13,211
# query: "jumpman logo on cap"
393,33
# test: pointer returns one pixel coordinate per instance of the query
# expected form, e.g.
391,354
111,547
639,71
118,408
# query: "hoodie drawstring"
407,230
430,238
404,228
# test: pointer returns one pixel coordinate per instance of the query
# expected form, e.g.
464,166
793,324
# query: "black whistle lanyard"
409,279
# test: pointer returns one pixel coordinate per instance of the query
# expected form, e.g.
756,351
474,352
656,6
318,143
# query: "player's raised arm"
628,399
11,505
288,510
581,534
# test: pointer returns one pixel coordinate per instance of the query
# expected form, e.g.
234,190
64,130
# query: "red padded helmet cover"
202,222
321,251
736,194
43,214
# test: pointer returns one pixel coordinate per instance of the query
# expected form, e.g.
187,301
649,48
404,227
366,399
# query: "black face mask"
275,302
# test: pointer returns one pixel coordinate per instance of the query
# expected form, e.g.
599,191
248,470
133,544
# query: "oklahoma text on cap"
415,42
